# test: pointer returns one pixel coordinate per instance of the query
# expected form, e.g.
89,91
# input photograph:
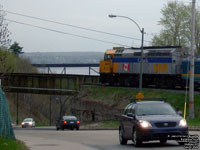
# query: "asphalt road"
84,140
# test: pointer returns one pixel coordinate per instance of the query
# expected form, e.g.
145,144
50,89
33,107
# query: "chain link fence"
6,130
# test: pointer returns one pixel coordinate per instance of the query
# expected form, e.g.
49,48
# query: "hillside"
92,104
117,97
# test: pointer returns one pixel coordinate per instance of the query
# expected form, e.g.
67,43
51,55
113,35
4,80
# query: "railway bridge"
52,84
47,84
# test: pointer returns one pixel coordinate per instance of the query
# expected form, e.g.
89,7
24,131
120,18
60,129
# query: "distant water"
71,70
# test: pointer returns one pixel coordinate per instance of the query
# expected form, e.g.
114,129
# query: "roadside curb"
98,129
194,129
86,129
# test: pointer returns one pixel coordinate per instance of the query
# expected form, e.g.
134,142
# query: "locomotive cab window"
107,57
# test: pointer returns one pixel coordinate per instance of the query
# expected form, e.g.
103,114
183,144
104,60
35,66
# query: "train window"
107,57
119,51
137,54
159,54
117,54
166,54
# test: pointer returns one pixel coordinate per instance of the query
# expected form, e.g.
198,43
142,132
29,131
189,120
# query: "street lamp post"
141,57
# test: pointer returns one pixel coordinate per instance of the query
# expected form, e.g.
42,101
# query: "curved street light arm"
131,20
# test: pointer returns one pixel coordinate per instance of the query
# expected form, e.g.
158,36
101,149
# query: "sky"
90,14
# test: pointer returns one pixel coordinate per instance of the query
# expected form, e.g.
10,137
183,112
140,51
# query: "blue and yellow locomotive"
162,66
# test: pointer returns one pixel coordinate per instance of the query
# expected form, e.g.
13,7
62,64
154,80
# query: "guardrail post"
50,112
17,110
64,70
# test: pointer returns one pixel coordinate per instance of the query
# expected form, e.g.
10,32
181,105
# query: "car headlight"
30,123
183,123
144,124
22,123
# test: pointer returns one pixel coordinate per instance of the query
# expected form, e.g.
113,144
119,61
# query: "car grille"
165,135
165,124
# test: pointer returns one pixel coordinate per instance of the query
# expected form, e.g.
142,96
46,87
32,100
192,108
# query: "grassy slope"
12,145
120,97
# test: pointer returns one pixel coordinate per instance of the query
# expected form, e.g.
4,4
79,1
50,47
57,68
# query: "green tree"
16,49
197,31
176,23
10,63
7,61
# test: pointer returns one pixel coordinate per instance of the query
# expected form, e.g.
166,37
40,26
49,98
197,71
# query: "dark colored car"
68,122
151,120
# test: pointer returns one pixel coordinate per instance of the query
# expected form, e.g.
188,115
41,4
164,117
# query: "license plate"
71,122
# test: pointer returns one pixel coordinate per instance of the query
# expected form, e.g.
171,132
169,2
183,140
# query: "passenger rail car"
162,66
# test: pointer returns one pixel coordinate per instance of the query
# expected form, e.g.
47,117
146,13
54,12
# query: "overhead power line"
83,28
61,32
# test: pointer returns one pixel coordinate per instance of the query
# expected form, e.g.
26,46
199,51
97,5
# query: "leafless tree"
4,32
64,104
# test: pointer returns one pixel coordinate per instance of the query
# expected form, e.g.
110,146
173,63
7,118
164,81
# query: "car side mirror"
131,115
179,113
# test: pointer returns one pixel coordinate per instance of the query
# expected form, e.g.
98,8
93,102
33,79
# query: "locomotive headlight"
183,123
144,124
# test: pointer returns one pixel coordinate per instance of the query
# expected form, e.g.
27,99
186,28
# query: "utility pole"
191,91
141,61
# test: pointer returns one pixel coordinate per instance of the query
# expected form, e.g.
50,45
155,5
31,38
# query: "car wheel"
135,139
72,128
62,128
77,128
122,140
163,141
57,128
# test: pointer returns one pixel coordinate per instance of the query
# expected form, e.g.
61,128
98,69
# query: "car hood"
160,118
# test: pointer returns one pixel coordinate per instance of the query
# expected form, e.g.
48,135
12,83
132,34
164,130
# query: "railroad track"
176,89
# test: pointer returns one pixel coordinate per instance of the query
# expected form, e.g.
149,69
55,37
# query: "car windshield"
155,109
27,120
69,118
